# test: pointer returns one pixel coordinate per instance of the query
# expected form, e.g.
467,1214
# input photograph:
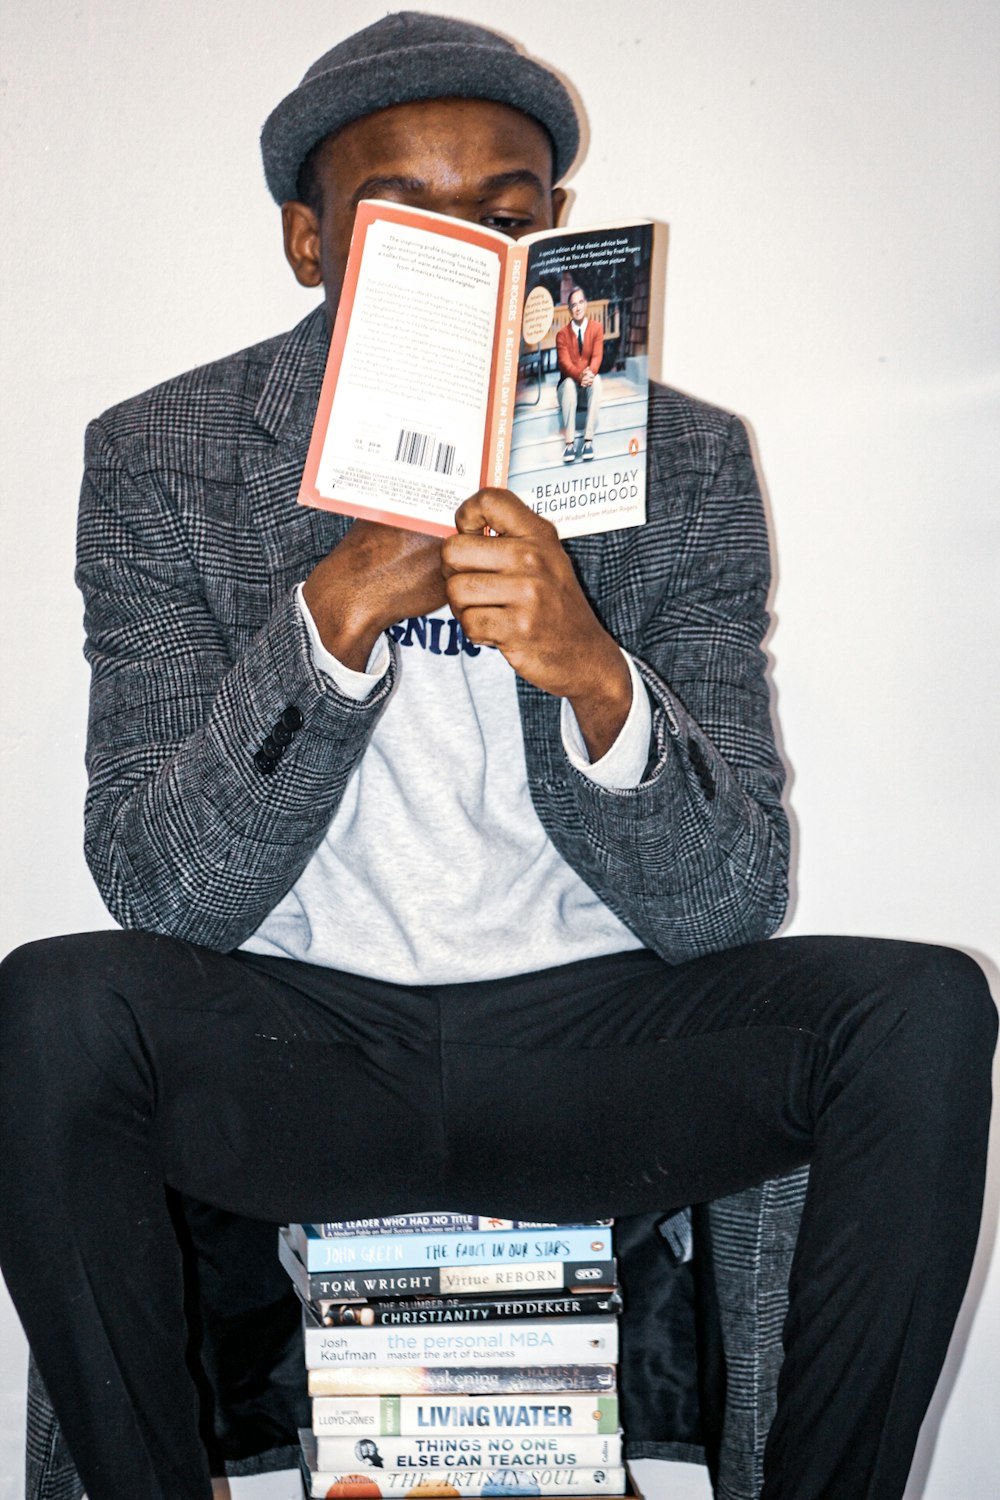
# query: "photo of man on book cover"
579,433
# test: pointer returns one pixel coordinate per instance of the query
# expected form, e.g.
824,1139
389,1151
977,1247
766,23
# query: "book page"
407,426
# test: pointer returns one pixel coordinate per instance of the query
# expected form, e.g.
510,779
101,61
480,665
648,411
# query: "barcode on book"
444,460
420,450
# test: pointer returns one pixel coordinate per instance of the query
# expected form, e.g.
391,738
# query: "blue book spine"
475,1248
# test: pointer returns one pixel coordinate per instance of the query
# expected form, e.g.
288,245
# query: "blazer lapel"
294,537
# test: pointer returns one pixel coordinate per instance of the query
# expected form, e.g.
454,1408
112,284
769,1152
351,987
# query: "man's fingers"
496,590
486,627
500,511
473,552
497,533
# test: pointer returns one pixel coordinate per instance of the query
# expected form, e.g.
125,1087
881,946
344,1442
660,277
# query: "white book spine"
392,1416
440,1455
570,1341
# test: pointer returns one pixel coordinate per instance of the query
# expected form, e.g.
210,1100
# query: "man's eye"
506,223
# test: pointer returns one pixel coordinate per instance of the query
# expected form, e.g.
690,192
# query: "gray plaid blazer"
190,544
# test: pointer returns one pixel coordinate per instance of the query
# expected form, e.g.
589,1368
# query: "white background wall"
827,172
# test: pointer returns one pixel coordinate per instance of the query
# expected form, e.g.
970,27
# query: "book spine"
407,1314
396,1252
567,1341
396,1416
506,353
460,1380
441,1455
460,1281
430,1224
484,1281
537,1481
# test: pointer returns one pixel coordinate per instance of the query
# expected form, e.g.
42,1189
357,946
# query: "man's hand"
374,577
587,378
518,591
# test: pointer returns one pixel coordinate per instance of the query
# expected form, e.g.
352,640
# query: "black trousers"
621,1085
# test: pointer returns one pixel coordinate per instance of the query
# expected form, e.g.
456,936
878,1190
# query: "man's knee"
950,994
941,989
63,1003
58,969
37,984
914,1019
942,1040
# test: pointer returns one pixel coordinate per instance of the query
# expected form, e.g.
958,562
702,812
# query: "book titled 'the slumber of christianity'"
462,359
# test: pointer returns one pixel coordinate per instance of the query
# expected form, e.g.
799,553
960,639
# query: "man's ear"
300,228
559,199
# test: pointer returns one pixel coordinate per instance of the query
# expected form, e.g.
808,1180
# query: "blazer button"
266,764
292,718
271,748
281,735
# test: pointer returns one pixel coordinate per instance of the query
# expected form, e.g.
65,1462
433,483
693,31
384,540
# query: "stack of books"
455,1355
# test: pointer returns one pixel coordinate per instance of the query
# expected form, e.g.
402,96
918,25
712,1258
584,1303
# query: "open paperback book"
457,363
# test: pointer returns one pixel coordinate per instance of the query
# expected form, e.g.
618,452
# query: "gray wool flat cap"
405,57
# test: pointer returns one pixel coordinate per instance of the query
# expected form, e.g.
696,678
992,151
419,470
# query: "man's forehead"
408,146
382,183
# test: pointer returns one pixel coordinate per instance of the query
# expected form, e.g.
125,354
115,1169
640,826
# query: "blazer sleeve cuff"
623,764
352,684
277,710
